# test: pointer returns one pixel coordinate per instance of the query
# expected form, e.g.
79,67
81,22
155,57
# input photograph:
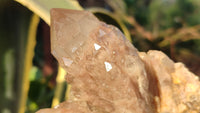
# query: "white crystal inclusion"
74,49
54,53
96,46
101,33
67,61
108,66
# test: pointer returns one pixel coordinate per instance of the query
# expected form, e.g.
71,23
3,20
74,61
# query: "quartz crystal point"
109,75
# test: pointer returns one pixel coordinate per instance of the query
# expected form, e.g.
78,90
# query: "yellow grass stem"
31,42
60,82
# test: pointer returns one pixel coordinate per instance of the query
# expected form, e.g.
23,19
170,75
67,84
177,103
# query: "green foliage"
164,13
138,9
173,26
41,93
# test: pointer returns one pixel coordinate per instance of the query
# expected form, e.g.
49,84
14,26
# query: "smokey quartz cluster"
109,75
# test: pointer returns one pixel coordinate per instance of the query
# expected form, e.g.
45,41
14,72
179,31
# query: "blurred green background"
172,26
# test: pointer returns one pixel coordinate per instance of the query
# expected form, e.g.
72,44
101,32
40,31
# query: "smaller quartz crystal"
96,46
74,49
101,33
67,61
108,66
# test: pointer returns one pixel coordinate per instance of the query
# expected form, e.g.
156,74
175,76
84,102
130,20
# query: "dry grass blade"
43,7
28,62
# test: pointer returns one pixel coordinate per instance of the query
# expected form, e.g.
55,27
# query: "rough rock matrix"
109,75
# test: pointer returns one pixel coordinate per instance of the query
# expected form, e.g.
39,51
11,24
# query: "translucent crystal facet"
96,46
101,33
108,66
67,61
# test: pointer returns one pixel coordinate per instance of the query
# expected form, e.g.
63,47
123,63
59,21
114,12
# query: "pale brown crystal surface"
109,75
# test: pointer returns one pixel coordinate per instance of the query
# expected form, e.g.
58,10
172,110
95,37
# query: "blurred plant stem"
9,78
60,83
138,28
31,42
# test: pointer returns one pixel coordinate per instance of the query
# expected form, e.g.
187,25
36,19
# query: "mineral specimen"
109,75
